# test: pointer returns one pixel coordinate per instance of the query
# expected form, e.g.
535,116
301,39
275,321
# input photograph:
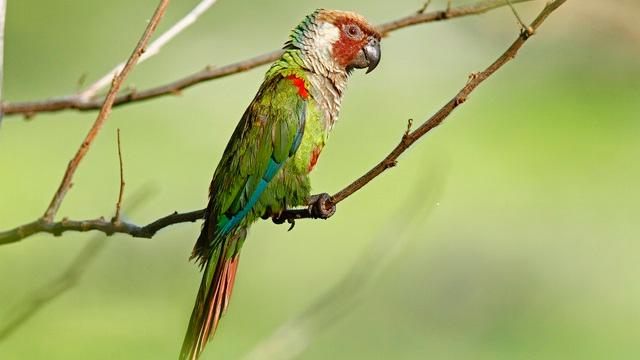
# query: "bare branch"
151,50
407,140
30,108
65,184
116,217
99,224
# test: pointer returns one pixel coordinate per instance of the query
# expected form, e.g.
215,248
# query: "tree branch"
407,140
77,102
151,50
100,224
105,110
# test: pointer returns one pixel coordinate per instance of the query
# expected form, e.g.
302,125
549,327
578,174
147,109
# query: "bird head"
337,41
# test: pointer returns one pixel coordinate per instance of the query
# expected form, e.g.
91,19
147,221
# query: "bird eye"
353,31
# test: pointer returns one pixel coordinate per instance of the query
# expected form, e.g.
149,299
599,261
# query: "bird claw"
322,207
293,224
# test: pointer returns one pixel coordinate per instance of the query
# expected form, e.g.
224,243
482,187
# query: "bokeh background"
517,219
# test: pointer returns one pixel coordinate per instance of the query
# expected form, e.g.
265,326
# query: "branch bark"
77,102
105,110
108,227
408,139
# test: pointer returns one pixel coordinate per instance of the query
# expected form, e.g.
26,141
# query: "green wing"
269,132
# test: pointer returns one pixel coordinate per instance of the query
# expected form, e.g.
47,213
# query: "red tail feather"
211,304
220,301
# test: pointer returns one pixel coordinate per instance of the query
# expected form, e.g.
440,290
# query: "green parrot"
265,167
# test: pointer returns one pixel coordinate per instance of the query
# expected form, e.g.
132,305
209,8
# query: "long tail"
213,296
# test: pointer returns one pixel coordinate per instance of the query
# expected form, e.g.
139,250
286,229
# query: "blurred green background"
529,250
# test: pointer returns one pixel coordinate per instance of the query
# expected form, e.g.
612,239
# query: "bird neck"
326,86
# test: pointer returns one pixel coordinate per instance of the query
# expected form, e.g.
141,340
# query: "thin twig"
523,25
116,217
153,48
65,184
441,15
30,108
407,140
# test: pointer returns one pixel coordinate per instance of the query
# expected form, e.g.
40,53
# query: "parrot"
264,169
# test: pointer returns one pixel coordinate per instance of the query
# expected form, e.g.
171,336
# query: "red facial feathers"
351,40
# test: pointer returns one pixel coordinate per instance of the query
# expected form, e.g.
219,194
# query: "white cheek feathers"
326,34
320,45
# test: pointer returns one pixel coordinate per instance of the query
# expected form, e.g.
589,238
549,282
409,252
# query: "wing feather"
269,132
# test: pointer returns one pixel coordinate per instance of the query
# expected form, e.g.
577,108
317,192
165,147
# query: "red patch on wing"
314,157
299,83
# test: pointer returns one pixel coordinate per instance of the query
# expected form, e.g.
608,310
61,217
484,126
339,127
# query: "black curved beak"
372,54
